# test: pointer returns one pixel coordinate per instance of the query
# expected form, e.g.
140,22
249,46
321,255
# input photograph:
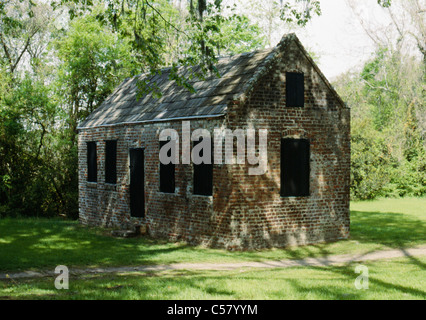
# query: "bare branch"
164,19
6,51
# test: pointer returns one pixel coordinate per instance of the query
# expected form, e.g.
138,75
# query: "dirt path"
320,261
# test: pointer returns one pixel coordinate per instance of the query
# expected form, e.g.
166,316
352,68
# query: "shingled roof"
238,74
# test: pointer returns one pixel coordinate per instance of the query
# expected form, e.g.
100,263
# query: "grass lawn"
382,224
397,279
27,244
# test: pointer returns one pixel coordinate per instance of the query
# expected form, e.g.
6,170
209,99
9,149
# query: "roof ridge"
269,61
318,70
238,76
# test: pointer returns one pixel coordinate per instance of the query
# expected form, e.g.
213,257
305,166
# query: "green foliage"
27,115
93,62
381,88
301,12
369,161
239,35
388,142
39,113
193,34
384,3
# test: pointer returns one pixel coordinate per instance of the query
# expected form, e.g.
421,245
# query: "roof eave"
152,121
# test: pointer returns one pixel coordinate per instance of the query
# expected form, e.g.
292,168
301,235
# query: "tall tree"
388,136
93,60
148,25
405,29
24,26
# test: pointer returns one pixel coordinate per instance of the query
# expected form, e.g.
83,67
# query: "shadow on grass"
375,284
372,229
395,230
40,243
332,282
146,286
35,243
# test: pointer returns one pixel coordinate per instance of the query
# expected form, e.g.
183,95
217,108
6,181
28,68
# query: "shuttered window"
295,169
111,161
295,90
92,168
203,176
167,173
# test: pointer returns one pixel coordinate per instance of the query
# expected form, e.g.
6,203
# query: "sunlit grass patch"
393,279
45,243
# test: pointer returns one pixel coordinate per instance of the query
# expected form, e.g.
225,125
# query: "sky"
337,36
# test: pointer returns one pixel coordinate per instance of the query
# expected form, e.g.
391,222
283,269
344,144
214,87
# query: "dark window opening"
92,168
295,89
203,175
111,161
167,173
295,168
137,182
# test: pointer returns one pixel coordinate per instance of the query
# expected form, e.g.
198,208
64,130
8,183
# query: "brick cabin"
302,198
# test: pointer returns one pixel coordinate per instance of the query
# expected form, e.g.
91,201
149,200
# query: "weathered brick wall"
245,211
257,216
177,216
